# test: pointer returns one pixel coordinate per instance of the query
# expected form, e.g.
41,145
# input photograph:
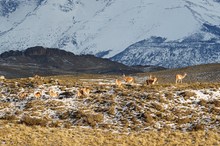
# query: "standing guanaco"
37,94
53,93
83,91
180,77
2,77
128,79
151,80
22,95
118,83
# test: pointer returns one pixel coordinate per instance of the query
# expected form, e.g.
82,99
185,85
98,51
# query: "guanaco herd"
151,80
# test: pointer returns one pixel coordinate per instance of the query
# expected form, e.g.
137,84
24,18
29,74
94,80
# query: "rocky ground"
133,109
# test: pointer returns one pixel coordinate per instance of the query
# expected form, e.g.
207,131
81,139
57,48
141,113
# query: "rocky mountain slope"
170,54
106,28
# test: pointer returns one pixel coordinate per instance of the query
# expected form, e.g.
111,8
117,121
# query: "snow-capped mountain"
170,54
115,28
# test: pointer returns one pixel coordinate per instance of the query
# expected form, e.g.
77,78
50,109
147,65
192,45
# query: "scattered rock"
169,95
216,103
148,118
31,121
187,94
202,102
197,127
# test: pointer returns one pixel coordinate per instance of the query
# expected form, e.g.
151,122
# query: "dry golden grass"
20,135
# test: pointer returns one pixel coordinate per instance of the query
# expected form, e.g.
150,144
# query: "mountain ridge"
53,61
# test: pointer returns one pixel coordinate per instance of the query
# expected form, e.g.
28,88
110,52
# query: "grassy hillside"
135,114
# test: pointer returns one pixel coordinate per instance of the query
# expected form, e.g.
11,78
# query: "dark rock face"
36,51
11,53
52,61
41,51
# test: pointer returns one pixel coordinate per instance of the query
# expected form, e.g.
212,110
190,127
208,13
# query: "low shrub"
31,121
197,127
93,119
158,106
169,95
202,102
148,118
9,117
181,121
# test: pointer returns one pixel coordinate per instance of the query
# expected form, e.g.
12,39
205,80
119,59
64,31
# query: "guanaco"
154,79
151,80
180,77
22,95
83,91
79,93
2,77
118,83
53,93
37,94
128,79
37,77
